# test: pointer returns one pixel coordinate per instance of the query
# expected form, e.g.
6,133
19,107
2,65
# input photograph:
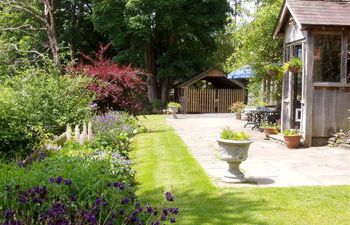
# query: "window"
327,56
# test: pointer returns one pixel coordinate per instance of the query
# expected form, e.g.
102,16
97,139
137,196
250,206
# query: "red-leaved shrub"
117,87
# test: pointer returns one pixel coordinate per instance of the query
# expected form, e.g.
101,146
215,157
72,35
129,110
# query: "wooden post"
308,91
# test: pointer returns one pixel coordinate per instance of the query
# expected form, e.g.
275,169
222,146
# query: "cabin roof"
314,13
217,77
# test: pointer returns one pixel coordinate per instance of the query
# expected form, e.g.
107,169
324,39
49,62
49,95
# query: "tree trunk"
50,25
165,90
150,64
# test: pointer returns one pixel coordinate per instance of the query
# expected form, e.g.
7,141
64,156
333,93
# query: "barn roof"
215,76
314,13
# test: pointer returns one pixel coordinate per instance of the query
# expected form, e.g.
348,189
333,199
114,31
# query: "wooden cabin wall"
330,110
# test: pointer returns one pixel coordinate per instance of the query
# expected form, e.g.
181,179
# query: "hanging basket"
272,72
294,70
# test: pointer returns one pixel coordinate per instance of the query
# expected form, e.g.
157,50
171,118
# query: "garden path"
269,164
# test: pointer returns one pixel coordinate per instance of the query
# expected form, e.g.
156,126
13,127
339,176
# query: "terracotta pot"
238,116
268,131
292,141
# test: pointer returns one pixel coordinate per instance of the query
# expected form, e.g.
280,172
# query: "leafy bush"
36,103
113,131
75,186
116,87
229,134
237,107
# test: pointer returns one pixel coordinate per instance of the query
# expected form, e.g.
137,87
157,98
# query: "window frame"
342,59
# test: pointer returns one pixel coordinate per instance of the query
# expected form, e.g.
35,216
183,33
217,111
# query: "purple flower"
163,218
172,220
52,180
125,201
73,198
8,213
67,182
59,180
149,208
169,197
121,211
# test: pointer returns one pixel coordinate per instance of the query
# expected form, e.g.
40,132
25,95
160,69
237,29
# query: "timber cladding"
211,100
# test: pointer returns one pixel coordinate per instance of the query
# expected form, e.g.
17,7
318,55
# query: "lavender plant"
114,130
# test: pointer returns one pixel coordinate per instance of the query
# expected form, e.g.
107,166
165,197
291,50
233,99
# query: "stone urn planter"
234,152
173,110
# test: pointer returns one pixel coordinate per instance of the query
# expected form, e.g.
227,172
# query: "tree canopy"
171,40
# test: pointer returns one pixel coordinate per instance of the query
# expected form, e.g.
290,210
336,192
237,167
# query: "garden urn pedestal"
173,110
234,153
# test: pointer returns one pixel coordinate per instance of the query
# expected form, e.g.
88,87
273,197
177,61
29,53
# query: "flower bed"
79,184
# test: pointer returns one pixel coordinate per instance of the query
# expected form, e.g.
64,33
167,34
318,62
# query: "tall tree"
33,27
169,39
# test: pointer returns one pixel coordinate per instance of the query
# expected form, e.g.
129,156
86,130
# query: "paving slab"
269,164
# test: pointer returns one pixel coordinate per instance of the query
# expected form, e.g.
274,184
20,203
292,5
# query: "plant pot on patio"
173,107
237,108
268,131
233,148
269,128
292,138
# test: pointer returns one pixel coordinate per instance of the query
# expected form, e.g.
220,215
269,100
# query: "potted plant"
237,108
294,65
273,69
233,148
174,107
292,138
269,128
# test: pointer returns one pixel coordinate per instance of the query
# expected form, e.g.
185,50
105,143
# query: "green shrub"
229,134
36,103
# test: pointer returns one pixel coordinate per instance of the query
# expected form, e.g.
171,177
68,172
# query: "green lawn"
163,163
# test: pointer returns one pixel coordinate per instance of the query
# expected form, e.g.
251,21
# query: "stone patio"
269,164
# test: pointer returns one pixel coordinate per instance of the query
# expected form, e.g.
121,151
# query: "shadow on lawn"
217,207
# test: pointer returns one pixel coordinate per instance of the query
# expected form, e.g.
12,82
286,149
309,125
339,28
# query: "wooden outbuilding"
210,92
316,100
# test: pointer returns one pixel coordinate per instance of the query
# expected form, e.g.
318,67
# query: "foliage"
75,186
172,40
291,132
237,107
116,87
174,104
229,134
294,65
113,131
255,45
36,103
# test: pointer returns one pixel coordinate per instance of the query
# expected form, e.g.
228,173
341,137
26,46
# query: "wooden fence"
210,100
